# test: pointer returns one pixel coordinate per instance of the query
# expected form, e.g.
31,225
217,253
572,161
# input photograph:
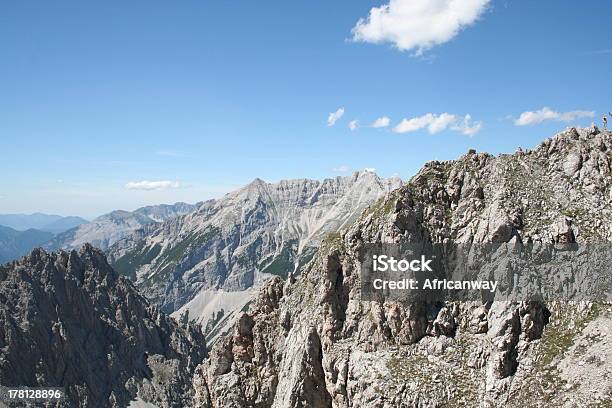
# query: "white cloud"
441,122
171,153
370,170
381,122
437,123
418,24
414,124
467,127
544,114
341,169
334,116
152,185
353,124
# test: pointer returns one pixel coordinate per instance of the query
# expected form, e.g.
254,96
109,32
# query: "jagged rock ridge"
69,320
312,342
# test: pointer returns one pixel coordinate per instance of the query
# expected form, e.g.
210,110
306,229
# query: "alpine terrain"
313,342
208,261
309,338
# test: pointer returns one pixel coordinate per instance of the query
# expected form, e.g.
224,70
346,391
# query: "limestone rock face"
232,243
69,320
313,342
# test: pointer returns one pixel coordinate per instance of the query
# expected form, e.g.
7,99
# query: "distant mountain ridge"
105,230
14,244
40,221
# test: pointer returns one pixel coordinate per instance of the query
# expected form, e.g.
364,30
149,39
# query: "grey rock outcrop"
68,320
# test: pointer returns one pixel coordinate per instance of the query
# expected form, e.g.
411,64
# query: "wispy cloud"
418,24
98,161
171,153
353,124
334,116
600,52
436,123
152,185
341,169
547,114
381,122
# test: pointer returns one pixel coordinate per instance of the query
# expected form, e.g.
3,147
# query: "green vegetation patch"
194,240
141,255
171,257
558,339
248,257
305,257
282,264
383,207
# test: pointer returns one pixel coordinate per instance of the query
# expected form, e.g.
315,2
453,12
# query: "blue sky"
198,97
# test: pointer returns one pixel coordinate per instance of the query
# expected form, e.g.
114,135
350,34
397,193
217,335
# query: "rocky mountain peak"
483,197
67,319
316,333
257,182
256,186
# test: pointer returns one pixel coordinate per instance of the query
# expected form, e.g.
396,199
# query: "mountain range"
42,222
105,230
14,244
216,254
307,337
24,232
